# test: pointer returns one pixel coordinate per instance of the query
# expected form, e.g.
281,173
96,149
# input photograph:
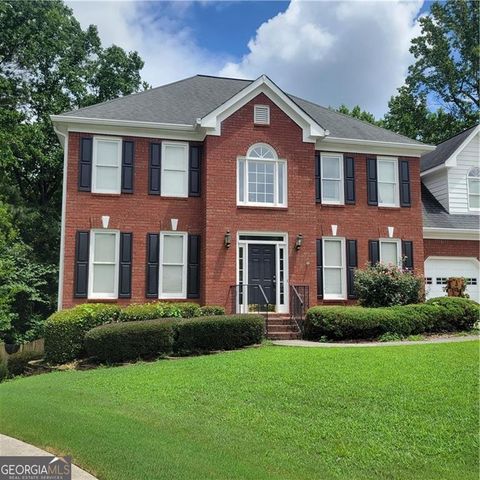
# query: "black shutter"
319,269
195,163
407,254
318,178
85,165
82,251
154,169
373,251
153,254
193,270
404,176
372,195
125,273
352,264
127,166
349,174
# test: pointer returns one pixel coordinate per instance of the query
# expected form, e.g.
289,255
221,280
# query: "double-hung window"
173,265
107,164
261,178
103,271
174,177
390,252
388,191
473,183
334,272
332,178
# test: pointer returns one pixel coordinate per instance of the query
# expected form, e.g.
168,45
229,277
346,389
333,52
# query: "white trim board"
450,233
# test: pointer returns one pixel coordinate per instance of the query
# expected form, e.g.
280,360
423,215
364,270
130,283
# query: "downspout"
62,228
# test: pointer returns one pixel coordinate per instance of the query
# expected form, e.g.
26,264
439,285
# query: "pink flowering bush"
383,285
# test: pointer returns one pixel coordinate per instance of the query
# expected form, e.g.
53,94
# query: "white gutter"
451,233
356,141
61,268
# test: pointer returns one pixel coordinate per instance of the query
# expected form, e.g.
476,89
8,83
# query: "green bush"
461,311
363,323
65,330
3,371
17,363
153,310
211,310
382,285
118,342
222,332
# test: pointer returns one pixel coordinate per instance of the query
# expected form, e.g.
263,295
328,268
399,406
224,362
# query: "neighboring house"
451,212
189,189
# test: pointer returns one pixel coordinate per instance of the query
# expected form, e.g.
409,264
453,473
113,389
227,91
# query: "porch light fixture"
227,240
298,241
390,232
105,221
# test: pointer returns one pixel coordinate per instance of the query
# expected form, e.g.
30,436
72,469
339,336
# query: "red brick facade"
216,211
451,248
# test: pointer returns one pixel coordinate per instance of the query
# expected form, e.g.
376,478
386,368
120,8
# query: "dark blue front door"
261,271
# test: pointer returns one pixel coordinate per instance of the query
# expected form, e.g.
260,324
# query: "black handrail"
299,305
240,289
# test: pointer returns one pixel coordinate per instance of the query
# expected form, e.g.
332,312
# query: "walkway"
15,448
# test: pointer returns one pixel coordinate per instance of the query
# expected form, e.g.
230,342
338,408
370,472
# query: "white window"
387,179
103,268
261,114
173,265
332,178
334,271
473,181
261,178
107,161
174,169
390,252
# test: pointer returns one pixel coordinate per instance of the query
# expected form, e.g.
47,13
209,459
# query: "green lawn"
406,412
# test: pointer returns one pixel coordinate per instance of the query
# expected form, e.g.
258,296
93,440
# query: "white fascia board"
353,145
451,233
311,129
433,170
452,160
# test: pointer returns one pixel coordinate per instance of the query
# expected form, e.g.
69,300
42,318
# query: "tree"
444,75
48,65
357,112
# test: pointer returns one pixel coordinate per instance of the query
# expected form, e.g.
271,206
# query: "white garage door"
438,270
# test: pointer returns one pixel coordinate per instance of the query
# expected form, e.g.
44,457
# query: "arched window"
473,183
261,177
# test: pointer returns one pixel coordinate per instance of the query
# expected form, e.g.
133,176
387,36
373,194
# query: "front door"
261,271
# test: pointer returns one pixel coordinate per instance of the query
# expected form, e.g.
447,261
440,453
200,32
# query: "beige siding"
457,176
437,183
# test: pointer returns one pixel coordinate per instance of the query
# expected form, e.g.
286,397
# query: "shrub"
457,311
118,342
225,332
3,371
362,323
153,310
382,285
65,330
17,363
211,310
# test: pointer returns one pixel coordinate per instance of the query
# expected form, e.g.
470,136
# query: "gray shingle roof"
435,216
184,101
444,150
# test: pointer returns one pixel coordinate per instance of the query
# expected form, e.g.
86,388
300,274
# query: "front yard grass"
407,412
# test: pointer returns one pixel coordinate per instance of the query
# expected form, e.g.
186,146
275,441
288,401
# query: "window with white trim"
387,181
473,183
107,164
334,271
390,252
174,177
103,268
173,265
261,114
261,178
332,178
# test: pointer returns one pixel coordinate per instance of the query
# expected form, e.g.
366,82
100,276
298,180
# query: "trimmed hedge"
339,323
118,342
124,341
3,371
225,332
65,330
153,310
211,310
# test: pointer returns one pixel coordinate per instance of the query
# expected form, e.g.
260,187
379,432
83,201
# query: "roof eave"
451,233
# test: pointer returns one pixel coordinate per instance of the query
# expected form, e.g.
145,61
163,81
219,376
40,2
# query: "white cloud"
352,52
156,30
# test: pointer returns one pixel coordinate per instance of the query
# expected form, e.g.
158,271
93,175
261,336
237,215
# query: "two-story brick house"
189,189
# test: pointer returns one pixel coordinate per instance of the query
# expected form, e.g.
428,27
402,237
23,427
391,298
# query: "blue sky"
329,52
